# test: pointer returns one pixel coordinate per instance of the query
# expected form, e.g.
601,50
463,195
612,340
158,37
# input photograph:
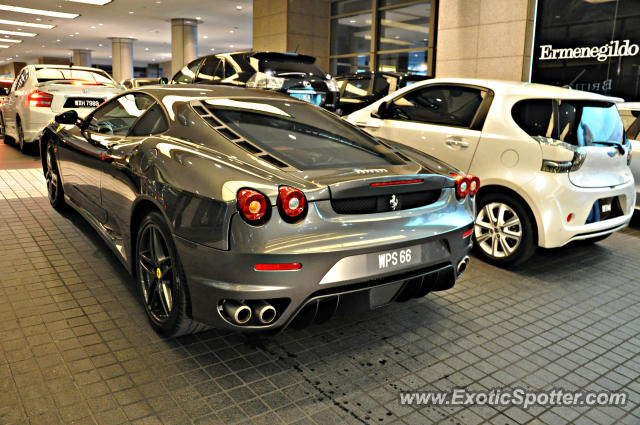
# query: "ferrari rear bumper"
325,282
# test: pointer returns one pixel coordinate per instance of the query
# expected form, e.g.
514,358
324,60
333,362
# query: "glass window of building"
589,45
382,35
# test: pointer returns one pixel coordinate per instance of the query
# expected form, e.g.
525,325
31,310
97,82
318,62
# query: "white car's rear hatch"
595,130
602,167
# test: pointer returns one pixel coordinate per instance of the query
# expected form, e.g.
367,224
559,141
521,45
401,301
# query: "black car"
243,209
290,73
364,88
134,83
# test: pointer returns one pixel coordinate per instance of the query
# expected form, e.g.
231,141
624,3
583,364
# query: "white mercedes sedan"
42,91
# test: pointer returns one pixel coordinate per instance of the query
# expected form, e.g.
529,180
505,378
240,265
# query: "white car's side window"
441,105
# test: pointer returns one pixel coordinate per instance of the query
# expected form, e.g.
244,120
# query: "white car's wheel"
21,142
503,231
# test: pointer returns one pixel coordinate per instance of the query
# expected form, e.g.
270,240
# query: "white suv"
554,162
42,91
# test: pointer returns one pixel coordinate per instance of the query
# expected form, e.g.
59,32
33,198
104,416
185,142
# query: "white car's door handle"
457,142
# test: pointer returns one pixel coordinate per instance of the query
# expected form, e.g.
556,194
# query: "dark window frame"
375,51
90,117
480,116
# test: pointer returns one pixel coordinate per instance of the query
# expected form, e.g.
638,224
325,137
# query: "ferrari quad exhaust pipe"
463,264
239,312
264,312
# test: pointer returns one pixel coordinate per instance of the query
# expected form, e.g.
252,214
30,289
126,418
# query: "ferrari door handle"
368,125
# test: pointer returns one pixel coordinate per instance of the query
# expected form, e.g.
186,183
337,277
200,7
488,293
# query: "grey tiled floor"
75,346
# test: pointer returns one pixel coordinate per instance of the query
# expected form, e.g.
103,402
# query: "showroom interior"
320,212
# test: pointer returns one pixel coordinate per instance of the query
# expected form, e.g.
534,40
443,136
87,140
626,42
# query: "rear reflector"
277,267
467,233
395,183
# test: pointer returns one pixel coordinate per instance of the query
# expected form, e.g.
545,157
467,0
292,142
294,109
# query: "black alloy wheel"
52,177
161,280
3,130
21,142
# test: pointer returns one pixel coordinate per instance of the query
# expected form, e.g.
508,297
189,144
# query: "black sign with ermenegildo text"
592,45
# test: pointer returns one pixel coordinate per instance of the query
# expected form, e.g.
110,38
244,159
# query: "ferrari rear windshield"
56,74
301,135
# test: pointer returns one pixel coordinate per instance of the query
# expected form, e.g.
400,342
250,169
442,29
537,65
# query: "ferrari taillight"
466,185
253,206
462,185
474,184
292,203
38,99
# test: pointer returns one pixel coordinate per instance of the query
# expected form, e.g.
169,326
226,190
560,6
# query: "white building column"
122,58
82,57
184,43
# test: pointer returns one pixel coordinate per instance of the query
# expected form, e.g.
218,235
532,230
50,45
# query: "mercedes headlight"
332,85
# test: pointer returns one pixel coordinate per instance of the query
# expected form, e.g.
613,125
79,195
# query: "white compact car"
554,162
630,113
42,91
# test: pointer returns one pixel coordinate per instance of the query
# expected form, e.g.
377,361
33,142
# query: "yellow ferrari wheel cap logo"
158,273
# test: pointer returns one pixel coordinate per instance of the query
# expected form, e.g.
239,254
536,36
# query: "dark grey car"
243,209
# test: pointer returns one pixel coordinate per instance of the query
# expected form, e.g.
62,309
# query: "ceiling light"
231,31
23,34
38,19
232,46
239,7
51,13
99,44
212,49
198,17
95,2
146,49
10,40
205,36
93,27
131,12
4,47
352,21
58,40
25,24
77,33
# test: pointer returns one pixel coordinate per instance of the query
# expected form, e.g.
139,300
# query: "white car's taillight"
40,99
560,157
262,80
